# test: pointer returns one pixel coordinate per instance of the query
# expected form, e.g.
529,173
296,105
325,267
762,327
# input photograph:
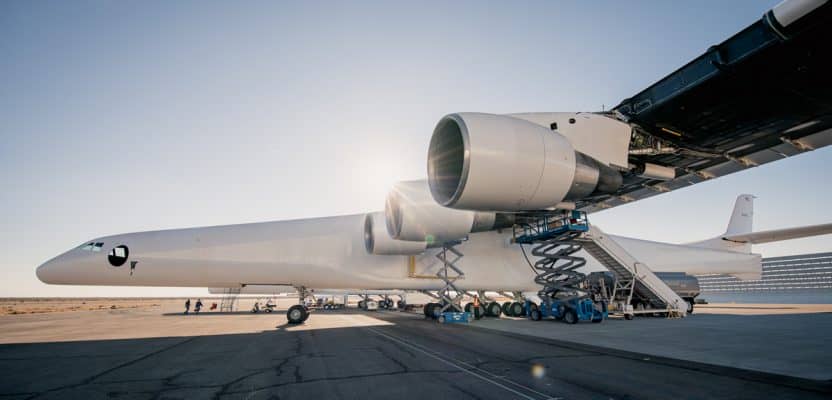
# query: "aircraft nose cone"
53,271
43,271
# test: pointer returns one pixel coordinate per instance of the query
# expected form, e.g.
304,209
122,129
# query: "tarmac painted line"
468,368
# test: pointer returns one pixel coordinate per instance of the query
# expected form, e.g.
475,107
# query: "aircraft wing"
760,96
777,235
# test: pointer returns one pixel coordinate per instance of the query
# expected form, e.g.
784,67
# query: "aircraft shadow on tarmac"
389,361
276,313
218,313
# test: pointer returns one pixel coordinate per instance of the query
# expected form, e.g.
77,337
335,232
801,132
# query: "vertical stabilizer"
740,223
743,216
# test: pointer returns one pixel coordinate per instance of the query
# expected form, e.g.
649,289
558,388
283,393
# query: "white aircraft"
760,96
278,290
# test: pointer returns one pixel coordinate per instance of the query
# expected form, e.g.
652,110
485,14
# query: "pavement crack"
91,379
395,360
341,378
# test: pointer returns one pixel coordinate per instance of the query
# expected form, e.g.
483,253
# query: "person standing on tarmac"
187,306
197,306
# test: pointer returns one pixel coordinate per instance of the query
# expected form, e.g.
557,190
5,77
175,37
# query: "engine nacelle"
493,162
378,241
412,214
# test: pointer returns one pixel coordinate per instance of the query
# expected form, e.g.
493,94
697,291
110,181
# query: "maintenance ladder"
229,299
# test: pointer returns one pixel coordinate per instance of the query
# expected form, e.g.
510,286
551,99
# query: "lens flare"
538,371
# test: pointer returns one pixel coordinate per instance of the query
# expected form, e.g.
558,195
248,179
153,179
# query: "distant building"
798,273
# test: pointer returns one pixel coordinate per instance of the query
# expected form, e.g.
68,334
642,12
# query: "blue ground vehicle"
570,311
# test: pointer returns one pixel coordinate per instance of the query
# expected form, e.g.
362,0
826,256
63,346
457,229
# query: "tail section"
741,222
742,219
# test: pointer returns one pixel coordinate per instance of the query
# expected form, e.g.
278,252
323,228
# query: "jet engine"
378,241
412,214
490,162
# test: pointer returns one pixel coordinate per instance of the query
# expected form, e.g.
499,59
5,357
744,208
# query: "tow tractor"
568,310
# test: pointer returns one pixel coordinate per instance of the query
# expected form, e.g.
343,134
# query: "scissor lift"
556,238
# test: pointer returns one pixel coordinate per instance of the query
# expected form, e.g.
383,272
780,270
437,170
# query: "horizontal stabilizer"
777,235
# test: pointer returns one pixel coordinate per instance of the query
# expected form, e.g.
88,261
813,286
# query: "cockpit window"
92,246
118,255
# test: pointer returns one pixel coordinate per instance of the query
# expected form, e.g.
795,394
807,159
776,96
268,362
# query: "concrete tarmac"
787,344
340,354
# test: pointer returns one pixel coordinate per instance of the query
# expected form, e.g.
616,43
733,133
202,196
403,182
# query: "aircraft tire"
297,314
690,306
494,309
505,308
428,310
516,309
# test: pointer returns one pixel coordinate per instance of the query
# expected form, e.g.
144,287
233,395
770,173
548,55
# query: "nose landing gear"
299,313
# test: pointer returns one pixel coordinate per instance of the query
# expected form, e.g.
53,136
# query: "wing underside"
762,95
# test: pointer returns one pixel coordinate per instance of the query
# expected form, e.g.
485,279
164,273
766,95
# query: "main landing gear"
299,313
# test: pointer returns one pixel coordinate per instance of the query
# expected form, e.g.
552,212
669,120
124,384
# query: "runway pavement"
347,354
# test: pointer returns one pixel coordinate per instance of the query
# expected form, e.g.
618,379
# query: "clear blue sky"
127,116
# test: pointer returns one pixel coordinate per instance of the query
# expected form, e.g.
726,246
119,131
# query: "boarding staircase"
631,276
229,299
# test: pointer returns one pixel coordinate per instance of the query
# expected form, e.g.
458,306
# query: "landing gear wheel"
306,314
297,314
430,310
493,309
690,306
570,317
516,309
536,315
506,307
